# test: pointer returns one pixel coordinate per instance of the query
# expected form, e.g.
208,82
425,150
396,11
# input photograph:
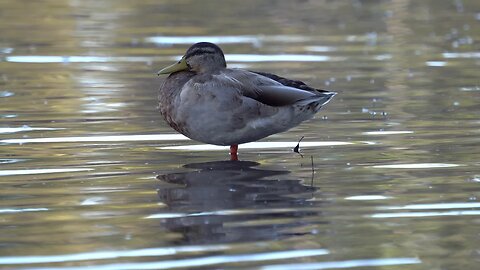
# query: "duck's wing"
291,83
271,89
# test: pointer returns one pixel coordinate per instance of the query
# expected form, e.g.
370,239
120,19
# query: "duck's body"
210,103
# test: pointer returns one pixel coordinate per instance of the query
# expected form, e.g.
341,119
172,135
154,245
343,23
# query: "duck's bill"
181,65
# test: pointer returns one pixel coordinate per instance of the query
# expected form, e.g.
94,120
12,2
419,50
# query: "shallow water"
90,175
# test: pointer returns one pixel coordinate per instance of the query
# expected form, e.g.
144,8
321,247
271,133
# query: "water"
91,176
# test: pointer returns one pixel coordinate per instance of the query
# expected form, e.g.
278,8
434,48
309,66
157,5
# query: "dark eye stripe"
198,52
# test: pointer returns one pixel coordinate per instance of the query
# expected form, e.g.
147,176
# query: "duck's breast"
168,96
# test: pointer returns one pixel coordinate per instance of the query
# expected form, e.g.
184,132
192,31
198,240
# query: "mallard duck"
210,103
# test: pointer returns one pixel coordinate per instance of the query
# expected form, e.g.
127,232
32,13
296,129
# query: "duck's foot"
234,152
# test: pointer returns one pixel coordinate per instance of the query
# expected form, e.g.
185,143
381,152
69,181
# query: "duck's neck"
209,71
211,65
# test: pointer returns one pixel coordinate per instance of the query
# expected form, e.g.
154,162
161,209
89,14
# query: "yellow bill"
180,65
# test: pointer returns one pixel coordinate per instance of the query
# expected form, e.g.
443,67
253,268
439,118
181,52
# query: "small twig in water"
313,171
297,148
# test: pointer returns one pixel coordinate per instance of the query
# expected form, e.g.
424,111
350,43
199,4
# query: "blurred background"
91,176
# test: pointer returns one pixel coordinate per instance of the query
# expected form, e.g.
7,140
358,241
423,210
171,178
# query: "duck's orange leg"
233,152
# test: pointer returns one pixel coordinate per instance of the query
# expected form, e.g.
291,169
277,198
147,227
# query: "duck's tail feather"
315,103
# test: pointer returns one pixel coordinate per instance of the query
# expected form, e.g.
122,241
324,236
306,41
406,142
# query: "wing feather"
268,88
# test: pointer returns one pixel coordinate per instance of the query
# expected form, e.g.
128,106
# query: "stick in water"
297,148
313,171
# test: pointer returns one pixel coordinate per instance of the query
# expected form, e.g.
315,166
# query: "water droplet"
324,117
474,88
456,103
459,6
6,50
436,63
6,94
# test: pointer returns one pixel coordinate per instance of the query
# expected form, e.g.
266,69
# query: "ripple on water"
114,254
10,160
458,205
6,50
470,88
113,138
388,132
8,115
194,262
20,210
6,94
436,63
41,171
344,264
281,58
255,145
462,55
24,128
432,206
368,198
83,59
416,166
320,48
426,214
255,40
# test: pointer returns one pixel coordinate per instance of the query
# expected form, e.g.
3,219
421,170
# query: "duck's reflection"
228,201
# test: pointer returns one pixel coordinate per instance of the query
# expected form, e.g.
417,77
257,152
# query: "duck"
207,102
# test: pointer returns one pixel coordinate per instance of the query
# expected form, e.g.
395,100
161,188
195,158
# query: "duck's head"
200,58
